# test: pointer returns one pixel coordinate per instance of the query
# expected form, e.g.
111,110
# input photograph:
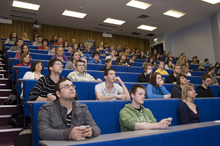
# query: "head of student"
45,42
37,66
161,64
108,63
206,80
65,90
217,65
60,39
55,66
65,44
54,38
133,56
201,63
59,51
109,75
148,67
79,65
137,93
123,56
52,49
181,79
39,39
24,49
194,59
188,92
25,35
177,69
18,42
96,55
150,59
13,35
184,69
155,79
169,62
80,45
112,53
210,71
25,58
206,60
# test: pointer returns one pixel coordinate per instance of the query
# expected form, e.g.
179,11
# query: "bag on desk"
24,138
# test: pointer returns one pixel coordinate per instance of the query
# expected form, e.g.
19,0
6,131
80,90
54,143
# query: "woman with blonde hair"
185,71
88,47
25,36
59,54
180,61
188,112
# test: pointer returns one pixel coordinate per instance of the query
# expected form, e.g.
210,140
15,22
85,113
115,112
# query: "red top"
58,44
42,48
20,64
18,55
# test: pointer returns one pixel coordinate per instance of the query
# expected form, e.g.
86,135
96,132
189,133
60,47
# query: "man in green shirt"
135,117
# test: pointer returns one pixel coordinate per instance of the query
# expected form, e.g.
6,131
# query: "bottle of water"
49,51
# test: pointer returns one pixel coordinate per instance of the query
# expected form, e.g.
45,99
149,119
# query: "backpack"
16,120
24,138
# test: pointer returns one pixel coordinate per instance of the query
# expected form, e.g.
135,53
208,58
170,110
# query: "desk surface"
131,134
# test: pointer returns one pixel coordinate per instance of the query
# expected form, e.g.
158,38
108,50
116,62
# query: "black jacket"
202,92
176,92
171,78
143,78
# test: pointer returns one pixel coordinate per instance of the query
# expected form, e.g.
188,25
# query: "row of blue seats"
108,121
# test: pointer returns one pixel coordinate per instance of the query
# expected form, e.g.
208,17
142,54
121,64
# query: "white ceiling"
98,10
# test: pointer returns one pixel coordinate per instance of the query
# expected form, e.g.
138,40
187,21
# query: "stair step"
2,99
8,135
4,120
3,74
5,92
8,109
3,67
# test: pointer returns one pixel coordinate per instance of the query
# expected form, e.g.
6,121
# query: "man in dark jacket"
146,75
204,90
65,119
172,77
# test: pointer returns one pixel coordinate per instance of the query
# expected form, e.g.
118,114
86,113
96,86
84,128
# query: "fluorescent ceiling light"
138,4
74,14
212,1
25,5
147,27
174,13
114,21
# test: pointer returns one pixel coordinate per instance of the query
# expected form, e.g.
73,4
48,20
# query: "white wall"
195,40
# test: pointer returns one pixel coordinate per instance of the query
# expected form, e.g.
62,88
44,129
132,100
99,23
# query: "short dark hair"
153,79
108,60
22,49
79,44
77,62
133,89
206,59
71,56
51,63
34,64
45,40
51,47
107,70
39,36
53,37
81,50
94,53
178,78
60,37
205,76
160,62
15,44
57,85
132,55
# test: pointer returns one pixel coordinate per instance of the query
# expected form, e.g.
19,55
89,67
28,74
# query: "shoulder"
48,106
100,84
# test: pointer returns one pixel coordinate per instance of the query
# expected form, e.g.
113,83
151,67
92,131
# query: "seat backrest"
174,106
215,102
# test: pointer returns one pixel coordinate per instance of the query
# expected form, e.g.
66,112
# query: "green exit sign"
155,40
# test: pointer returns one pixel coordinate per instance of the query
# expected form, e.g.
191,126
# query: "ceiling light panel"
74,14
147,27
212,1
24,5
138,4
174,13
114,21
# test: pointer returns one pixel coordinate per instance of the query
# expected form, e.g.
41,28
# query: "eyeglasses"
59,64
67,86
39,64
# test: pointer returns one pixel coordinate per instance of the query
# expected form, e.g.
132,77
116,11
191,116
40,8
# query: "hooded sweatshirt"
129,116
202,92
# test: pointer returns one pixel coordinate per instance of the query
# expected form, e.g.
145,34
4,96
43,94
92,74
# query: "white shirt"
102,88
109,57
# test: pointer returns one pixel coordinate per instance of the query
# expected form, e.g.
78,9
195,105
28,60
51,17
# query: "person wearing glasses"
44,89
65,119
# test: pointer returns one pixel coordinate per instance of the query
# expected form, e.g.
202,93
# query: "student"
73,41
17,46
24,60
95,59
180,61
141,55
59,54
107,51
211,72
79,74
181,80
172,77
169,65
206,62
65,46
204,90
151,60
147,54
155,89
80,46
134,116
122,60
24,49
160,68
38,42
44,89
54,39
25,36
81,54
110,90
101,47
111,56
201,63
157,58
194,61
108,65
164,54
155,53
133,57
44,45
136,51
188,112
128,51
73,58
12,38
146,75
88,47
52,50
217,65
37,68
185,71
69,114
169,57
59,42
118,47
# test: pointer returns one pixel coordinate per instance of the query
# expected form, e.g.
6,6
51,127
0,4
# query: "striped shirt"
76,76
68,120
44,86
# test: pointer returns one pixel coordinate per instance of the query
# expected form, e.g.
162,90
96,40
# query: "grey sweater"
69,65
52,123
